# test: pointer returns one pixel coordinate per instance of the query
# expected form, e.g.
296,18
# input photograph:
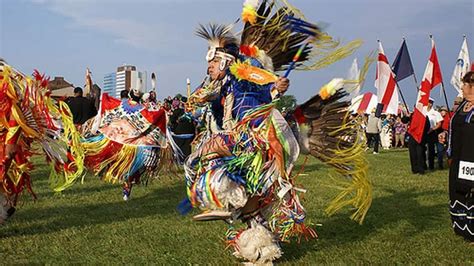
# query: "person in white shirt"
436,120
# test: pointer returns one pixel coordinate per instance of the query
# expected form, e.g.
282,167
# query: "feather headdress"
273,33
220,38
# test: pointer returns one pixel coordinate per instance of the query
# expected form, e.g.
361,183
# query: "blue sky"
63,37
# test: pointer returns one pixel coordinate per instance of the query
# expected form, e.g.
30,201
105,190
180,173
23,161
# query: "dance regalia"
29,115
127,141
461,172
247,153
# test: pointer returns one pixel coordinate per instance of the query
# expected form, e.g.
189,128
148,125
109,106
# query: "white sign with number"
466,170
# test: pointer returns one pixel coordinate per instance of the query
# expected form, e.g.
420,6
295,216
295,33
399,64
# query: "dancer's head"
223,48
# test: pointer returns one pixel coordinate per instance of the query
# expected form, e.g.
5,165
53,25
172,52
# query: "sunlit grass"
90,223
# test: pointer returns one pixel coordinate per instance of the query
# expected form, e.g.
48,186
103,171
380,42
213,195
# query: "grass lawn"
90,223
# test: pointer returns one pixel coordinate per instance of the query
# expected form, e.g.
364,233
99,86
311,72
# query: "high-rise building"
109,84
125,78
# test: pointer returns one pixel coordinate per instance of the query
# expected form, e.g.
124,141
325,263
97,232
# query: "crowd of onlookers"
385,131
391,131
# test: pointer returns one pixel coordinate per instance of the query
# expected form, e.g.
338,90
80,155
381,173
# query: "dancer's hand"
282,84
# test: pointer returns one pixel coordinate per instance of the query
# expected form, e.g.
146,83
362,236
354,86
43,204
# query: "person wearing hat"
442,136
446,117
435,119
461,162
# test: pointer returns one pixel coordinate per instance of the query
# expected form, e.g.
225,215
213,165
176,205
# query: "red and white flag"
364,104
387,90
431,79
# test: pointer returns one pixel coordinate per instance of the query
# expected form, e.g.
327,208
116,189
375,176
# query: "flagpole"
188,87
403,98
445,97
400,89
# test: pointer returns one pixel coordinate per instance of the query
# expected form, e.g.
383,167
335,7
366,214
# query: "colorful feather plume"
245,71
280,30
330,88
217,35
337,141
249,12
30,115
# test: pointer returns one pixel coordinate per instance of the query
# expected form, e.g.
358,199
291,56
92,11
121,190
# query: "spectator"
418,151
435,119
148,102
124,94
374,126
446,118
135,95
82,109
167,106
145,98
183,127
400,131
153,97
443,135
386,132
175,103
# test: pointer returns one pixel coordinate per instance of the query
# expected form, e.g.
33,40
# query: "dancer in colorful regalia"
242,167
29,115
127,141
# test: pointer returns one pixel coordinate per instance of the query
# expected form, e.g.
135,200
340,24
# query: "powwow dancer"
127,141
242,167
30,115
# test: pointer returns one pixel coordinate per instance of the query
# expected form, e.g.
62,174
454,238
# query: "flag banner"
402,66
431,78
387,91
353,74
461,68
364,103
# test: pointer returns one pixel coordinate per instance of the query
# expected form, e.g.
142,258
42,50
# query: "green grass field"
90,223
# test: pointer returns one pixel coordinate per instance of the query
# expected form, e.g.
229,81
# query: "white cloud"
93,16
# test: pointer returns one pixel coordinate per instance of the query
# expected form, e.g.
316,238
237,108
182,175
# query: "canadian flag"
431,79
387,90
